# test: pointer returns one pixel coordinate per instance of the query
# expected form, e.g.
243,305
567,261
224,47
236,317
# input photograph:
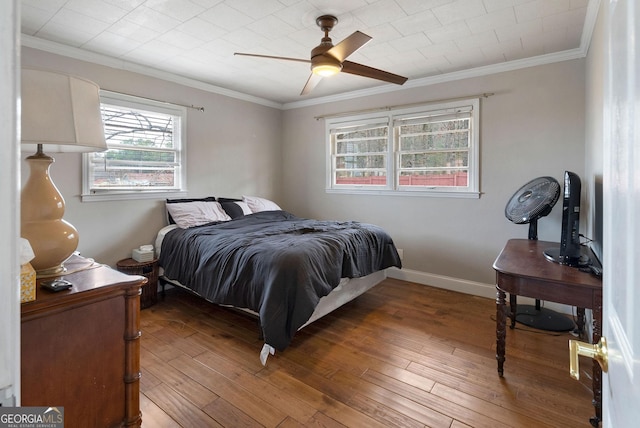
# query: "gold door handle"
598,352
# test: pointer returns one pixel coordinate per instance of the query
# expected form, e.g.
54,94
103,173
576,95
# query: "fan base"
553,254
326,22
543,319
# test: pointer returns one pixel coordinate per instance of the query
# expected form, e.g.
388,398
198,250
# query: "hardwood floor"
402,354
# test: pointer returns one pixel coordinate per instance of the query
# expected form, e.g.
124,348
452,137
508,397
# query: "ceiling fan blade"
348,46
273,57
312,82
374,73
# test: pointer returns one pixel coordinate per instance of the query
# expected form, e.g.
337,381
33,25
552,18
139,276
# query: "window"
361,153
428,150
146,155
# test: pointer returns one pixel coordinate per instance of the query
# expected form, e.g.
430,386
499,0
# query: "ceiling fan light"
326,70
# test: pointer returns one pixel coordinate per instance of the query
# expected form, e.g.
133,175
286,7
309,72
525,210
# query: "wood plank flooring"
403,355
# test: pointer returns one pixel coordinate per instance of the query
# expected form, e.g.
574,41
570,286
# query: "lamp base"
53,271
52,239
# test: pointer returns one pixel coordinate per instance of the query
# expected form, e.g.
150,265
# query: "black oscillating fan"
531,202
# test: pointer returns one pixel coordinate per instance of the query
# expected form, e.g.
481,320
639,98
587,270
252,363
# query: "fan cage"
533,200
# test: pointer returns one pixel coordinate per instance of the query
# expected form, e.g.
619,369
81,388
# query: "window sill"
122,196
418,193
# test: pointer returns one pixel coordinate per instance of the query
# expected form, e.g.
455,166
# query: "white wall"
533,126
234,148
594,140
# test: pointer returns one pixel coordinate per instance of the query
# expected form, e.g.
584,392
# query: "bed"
287,270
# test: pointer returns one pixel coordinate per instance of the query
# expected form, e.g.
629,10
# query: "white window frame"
180,143
391,117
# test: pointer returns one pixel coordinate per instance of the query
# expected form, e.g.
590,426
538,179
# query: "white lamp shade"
61,112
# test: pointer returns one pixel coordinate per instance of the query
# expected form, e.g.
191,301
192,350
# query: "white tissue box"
142,255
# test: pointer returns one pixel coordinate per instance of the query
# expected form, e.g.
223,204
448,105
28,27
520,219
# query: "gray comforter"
275,264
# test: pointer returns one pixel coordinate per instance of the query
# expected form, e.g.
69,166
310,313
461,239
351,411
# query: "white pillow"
245,208
257,204
189,214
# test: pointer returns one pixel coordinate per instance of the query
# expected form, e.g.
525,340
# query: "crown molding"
108,61
443,78
567,55
577,53
589,25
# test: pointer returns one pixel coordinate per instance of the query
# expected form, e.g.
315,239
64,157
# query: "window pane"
435,178
374,161
435,141
361,155
435,160
365,146
125,179
361,134
431,155
137,128
435,136
436,126
117,156
133,168
361,178
142,151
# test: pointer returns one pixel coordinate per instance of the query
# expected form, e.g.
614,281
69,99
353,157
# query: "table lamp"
60,113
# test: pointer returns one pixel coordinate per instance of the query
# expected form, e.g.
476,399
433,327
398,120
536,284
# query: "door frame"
10,210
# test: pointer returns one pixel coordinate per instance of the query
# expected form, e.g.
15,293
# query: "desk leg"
580,321
513,305
501,333
597,371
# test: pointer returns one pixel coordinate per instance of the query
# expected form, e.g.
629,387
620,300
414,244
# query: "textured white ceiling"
196,39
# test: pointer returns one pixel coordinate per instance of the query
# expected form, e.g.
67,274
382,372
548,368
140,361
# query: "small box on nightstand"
27,283
142,255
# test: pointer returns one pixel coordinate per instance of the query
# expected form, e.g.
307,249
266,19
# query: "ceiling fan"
327,59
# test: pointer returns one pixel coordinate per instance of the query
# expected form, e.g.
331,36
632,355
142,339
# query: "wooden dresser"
81,350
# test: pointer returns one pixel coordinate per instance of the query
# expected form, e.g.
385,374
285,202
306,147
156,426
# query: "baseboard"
465,286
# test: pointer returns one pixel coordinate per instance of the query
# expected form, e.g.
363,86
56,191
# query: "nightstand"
80,348
147,269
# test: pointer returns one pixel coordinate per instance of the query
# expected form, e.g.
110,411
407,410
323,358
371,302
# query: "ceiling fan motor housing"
321,63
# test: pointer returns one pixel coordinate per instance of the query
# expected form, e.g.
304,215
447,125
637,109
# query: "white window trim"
368,119
124,100
473,191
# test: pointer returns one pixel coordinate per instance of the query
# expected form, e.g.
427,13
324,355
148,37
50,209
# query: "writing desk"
523,270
